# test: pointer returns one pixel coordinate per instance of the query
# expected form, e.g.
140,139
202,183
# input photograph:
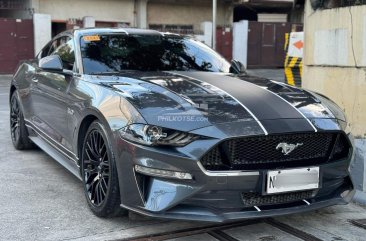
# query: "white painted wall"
335,59
240,41
42,31
331,47
106,10
187,12
141,8
88,22
335,65
206,28
364,41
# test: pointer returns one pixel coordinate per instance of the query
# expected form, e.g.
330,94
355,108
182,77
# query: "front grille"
256,199
263,152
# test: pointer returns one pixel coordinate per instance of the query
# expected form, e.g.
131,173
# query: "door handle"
35,80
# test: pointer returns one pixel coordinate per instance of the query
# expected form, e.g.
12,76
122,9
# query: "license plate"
292,180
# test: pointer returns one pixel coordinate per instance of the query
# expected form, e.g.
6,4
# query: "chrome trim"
258,209
246,108
137,185
306,202
287,148
37,130
316,130
226,173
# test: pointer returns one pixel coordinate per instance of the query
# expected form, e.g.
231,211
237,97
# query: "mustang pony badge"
287,148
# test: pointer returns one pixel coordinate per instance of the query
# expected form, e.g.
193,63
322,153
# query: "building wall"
335,44
187,13
335,65
25,13
15,14
297,15
106,10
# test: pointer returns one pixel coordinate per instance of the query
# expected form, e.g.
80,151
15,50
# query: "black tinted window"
65,49
118,52
44,51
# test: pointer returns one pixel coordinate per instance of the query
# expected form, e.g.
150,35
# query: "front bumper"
210,196
206,214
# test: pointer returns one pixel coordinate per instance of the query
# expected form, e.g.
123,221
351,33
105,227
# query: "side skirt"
50,150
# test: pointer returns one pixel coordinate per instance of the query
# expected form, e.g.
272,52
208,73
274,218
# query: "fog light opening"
162,173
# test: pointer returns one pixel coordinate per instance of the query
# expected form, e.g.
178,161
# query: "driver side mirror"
53,63
237,67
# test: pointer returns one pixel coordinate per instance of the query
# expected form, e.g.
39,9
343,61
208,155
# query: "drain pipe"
135,13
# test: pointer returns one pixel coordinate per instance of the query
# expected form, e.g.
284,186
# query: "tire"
99,173
18,130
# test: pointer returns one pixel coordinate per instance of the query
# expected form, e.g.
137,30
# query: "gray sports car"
161,125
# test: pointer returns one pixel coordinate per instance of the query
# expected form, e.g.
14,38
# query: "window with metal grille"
12,4
173,28
328,4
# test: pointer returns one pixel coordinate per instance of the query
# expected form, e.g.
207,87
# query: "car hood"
190,101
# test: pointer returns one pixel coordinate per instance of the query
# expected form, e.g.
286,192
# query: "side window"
46,51
65,49
53,46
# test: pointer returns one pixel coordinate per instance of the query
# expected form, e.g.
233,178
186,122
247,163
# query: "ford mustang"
162,125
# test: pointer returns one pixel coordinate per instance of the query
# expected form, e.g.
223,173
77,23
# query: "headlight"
346,127
156,135
333,107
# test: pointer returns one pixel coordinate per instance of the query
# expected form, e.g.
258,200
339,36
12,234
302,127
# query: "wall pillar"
141,13
358,168
88,22
206,28
42,31
240,41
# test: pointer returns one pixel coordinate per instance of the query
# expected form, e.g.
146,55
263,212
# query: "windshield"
119,52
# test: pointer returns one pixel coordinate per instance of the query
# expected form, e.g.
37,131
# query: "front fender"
92,101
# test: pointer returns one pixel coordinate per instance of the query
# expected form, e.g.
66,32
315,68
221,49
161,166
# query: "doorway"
58,27
266,44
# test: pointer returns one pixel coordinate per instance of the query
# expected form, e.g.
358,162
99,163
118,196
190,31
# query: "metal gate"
224,42
265,44
17,43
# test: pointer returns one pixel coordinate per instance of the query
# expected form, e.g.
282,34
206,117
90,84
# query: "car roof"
89,31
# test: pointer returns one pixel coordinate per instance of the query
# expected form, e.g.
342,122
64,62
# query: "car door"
50,100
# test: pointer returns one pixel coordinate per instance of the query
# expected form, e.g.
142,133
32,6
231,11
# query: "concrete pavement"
40,200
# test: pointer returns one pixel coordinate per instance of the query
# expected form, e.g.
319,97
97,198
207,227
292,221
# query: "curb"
360,198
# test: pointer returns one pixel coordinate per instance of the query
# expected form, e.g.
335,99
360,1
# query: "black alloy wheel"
99,173
14,119
96,168
18,130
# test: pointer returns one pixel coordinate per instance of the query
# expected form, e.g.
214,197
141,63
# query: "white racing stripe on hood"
251,113
316,130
